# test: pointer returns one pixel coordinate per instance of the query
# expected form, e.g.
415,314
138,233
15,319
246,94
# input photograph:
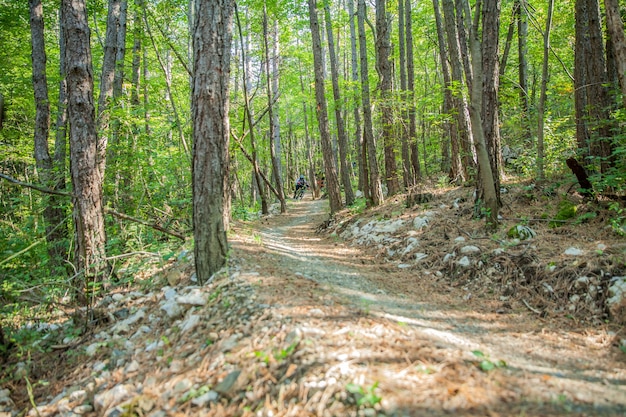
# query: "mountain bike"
300,193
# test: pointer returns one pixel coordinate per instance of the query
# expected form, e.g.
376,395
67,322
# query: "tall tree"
543,95
374,186
53,212
341,129
90,256
106,81
212,36
270,107
332,184
410,74
591,95
383,50
615,28
486,183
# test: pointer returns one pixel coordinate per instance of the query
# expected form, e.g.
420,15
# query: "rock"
449,257
112,397
420,256
189,323
172,309
205,398
572,251
195,298
464,262
469,249
227,383
459,239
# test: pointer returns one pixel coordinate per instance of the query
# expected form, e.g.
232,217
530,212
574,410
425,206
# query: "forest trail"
429,349
304,323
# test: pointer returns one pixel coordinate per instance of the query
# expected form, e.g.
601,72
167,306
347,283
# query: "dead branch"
39,188
145,223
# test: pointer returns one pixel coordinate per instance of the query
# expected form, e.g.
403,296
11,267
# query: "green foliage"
618,221
566,210
358,206
486,364
364,396
521,232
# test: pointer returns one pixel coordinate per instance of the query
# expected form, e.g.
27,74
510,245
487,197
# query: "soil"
320,326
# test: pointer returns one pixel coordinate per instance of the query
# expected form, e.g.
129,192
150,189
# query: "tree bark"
407,172
332,184
341,129
383,47
376,192
543,96
53,212
615,28
86,176
358,132
592,100
410,73
270,103
212,36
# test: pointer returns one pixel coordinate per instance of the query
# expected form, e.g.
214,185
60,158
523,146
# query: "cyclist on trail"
300,183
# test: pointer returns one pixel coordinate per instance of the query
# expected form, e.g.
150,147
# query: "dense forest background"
411,93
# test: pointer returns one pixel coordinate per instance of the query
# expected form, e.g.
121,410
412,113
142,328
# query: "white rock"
196,298
172,309
448,257
420,255
404,266
132,367
205,398
190,323
92,349
420,222
169,293
464,261
358,194
112,397
459,239
572,251
469,249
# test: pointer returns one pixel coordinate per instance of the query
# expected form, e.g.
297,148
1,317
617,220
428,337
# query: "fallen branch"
34,186
145,223
534,310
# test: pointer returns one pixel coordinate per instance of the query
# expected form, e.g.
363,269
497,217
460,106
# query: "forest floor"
309,321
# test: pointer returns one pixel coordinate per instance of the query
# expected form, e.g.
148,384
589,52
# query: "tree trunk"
341,130
543,96
270,105
458,169
376,192
383,47
450,132
332,185
485,181
410,72
615,28
53,212
407,172
106,82
358,133
522,52
592,100
490,85
86,176
212,38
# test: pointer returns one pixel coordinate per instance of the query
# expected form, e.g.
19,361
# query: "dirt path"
416,343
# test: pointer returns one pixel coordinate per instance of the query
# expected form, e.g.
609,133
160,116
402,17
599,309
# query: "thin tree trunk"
376,192
86,176
358,133
450,132
407,172
615,28
248,116
410,71
542,97
485,180
53,212
270,104
106,82
383,47
332,185
211,69
522,53
341,130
